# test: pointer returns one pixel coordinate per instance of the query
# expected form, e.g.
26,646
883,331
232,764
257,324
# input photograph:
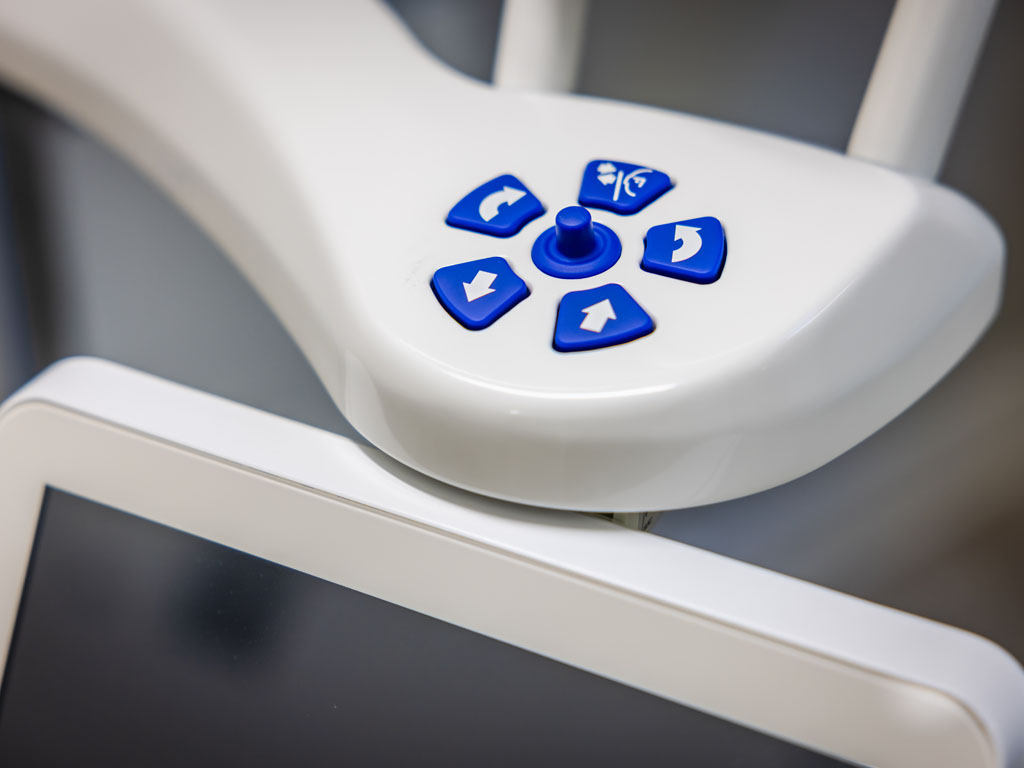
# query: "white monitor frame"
815,667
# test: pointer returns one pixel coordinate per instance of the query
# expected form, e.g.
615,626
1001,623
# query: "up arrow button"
599,317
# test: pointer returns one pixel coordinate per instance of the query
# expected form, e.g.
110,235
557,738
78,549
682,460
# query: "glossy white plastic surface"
322,147
840,675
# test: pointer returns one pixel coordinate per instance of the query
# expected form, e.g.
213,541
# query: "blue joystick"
576,246
574,232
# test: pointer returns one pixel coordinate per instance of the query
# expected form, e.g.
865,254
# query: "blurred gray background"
926,515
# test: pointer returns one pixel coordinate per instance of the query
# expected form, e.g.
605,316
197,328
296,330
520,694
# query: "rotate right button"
692,250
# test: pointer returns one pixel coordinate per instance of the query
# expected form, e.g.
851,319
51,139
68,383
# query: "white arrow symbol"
481,285
507,195
597,315
691,244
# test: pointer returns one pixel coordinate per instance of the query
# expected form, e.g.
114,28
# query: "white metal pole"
539,44
918,84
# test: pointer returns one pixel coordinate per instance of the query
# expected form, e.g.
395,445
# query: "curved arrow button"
691,250
499,207
690,245
506,195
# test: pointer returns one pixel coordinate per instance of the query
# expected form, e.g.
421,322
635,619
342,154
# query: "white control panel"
554,300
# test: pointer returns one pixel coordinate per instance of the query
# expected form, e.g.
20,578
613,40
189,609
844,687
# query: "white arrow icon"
691,244
506,195
597,315
481,285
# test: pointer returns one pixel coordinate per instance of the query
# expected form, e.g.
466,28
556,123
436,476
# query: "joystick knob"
577,246
574,232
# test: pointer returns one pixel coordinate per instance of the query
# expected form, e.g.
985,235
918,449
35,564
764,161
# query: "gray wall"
925,515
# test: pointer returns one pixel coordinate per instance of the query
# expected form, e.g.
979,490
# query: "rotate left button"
501,207
476,293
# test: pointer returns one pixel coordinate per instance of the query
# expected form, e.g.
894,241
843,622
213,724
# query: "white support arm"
918,84
539,44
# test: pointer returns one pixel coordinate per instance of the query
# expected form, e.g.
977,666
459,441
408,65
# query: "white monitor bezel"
818,668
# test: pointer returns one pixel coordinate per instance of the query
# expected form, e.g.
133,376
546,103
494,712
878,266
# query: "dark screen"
140,645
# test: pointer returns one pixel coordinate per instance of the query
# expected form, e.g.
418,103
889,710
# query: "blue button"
477,293
692,250
576,246
621,187
599,317
500,207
